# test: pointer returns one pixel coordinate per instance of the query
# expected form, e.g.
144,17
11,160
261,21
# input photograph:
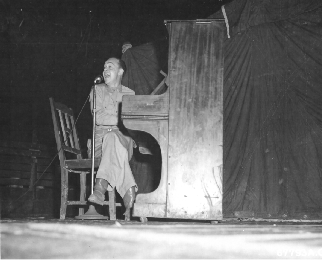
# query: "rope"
226,19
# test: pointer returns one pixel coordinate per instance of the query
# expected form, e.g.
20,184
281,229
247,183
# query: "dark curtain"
144,64
273,109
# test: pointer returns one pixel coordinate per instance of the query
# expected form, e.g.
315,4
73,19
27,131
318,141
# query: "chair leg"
112,205
64,193
82,178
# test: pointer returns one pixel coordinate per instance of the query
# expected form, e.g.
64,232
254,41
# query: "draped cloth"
144,64
273,109
115,151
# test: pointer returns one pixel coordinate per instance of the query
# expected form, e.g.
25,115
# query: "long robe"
111,145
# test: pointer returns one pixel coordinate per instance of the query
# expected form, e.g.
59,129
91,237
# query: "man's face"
112,71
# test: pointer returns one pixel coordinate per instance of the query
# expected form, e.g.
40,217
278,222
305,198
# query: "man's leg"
100,187
99,190
115,171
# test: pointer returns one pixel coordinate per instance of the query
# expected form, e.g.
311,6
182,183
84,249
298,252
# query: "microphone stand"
92,213
93,138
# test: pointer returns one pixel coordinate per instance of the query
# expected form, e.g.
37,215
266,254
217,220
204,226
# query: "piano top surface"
145,105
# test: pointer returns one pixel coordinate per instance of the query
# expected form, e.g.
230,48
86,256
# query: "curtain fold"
273,110
144,63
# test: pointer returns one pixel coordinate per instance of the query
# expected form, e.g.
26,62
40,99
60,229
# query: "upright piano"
187,123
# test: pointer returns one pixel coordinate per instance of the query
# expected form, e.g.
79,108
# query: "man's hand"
144,150
126,46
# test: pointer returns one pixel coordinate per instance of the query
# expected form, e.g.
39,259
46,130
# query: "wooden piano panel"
195,121
187,122
147,113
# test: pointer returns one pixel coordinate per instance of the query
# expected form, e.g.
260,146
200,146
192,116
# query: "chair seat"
81,163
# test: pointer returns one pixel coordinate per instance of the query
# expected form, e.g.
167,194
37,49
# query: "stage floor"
60,239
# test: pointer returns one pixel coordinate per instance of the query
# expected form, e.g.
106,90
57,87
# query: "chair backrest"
65,131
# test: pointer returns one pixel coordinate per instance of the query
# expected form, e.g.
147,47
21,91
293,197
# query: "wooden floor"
56,239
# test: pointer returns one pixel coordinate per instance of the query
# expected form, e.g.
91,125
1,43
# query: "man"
114,148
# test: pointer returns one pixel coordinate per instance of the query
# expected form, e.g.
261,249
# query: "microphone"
98,79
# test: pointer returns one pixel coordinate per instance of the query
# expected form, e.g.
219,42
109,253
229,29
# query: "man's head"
114,69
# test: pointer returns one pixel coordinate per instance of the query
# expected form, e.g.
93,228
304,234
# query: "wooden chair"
67,146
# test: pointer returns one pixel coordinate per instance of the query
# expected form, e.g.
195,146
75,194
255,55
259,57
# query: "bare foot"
127,214
128,200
